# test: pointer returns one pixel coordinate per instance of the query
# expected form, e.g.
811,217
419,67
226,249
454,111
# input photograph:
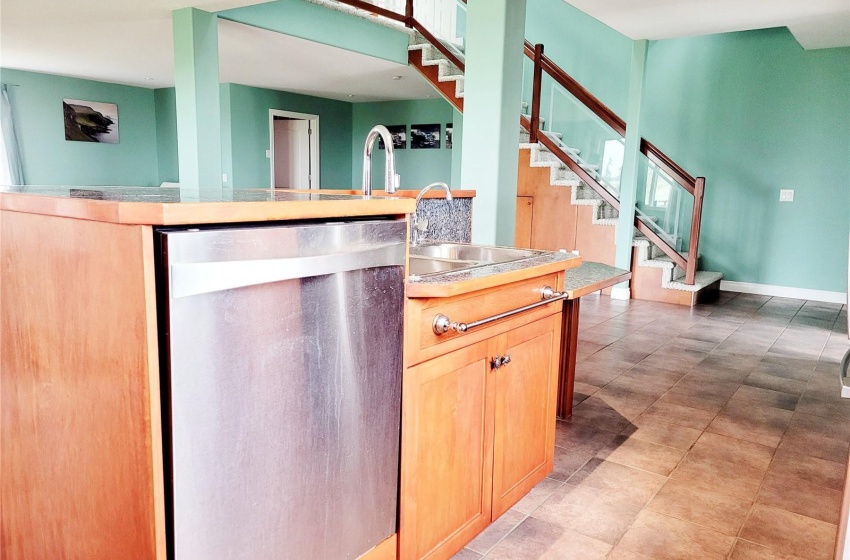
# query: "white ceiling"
130,42
816,24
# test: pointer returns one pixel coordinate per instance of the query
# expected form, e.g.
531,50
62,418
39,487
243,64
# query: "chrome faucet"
391,180
421,225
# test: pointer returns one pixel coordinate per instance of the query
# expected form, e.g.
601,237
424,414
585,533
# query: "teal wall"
754,113
313,22
49,159
590,51
416,167
166,134
249,126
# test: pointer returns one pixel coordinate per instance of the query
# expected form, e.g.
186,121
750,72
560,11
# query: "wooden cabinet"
476,437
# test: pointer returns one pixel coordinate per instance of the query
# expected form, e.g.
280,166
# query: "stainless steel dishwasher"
282,355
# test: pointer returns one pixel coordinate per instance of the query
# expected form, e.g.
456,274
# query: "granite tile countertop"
591,277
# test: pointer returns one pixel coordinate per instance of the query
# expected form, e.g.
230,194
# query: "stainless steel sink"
478,254
421,266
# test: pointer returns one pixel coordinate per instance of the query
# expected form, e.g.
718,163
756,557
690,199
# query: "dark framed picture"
399,134
449,129
90,121
424,136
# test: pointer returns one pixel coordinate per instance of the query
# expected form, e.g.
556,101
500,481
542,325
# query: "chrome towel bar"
443,324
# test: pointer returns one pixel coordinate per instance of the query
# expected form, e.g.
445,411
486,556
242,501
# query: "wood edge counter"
175,213
401,193
449,288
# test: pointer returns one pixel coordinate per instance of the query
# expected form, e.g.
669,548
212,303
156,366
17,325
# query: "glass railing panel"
445,20
594,145
527,84
664,205
396,6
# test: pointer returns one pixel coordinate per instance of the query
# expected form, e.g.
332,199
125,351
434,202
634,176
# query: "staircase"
657,268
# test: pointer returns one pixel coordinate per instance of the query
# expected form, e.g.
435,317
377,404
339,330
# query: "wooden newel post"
408,13
696,218
535,93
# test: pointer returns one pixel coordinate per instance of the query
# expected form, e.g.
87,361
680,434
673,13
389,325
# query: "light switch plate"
786,195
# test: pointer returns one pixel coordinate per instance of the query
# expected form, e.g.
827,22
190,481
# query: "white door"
292,154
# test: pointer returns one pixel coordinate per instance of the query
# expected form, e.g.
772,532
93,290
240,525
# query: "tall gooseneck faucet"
390,178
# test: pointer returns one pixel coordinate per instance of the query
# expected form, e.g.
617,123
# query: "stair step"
542,119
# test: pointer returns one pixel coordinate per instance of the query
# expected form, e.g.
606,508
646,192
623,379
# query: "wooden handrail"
674,255
670,167
574,167
436,43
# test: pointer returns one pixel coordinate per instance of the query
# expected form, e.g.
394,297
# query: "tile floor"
716,432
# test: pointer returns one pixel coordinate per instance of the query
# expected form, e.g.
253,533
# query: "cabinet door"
447,454
525,391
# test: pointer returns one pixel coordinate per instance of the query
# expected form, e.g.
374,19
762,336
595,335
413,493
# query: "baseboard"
621,293
783,291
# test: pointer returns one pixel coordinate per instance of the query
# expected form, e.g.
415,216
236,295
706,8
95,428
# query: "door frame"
315,178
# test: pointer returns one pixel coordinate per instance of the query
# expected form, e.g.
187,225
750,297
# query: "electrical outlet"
786,195
269,154
224,177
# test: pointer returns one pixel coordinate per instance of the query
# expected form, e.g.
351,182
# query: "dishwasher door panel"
285,406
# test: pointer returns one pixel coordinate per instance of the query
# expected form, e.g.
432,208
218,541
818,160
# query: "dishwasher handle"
193,279
442,324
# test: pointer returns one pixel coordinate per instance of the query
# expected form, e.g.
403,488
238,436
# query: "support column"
495,31
631,171
197,96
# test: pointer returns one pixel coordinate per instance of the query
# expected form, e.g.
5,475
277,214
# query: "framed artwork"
449,129
425,136
90,121
399,134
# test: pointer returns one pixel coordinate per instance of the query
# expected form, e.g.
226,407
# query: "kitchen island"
85,463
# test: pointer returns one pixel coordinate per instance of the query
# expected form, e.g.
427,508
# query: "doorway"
294,141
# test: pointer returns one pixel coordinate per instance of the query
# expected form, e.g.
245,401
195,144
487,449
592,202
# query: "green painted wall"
753,112
313,22
249,126
49,159
417,167
166,134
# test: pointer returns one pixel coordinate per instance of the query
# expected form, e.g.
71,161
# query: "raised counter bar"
163,206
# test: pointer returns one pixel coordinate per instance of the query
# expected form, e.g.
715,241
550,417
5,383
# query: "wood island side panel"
79,391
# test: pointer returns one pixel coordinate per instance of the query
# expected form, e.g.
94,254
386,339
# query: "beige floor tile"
598,414
745,550
826,427
663,433
767,381
705,395
701,506
631,484
536,539
806,442
627,404
665,538
568,461
798,496
643,455
838,410
589,511
537,496
466,554
733,450
679,415
813,470
790,533
620,553
496,532
775,399
751,421
572,435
